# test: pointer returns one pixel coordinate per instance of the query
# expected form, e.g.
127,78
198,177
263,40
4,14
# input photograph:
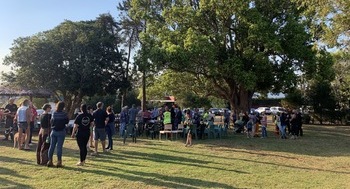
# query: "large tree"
330,20
240,46
75,59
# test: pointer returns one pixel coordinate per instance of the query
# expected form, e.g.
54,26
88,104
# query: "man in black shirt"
101,120
11,108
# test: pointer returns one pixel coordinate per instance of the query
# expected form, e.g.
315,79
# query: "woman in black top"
81,131
43,146
110,128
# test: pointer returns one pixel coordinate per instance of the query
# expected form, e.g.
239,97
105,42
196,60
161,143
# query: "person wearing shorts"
23,119
100,118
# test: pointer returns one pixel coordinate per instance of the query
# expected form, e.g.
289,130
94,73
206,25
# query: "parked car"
222,110
263,109
215,111
276,109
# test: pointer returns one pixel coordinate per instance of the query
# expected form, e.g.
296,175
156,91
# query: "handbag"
48,138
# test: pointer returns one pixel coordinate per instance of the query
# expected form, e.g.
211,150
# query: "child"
249,128
189,138
263,125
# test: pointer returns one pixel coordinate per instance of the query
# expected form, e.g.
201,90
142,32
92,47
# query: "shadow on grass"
317,141
8,183
154,179
251,161
15,160
167,159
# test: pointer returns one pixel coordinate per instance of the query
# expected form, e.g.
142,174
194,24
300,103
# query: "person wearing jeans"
283,125
58,121
124,119
263,125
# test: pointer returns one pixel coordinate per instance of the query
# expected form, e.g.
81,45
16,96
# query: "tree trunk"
241,100
143,103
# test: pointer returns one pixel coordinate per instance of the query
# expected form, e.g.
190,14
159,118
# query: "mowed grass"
319,159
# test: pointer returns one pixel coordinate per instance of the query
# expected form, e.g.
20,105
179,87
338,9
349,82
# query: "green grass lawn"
320,159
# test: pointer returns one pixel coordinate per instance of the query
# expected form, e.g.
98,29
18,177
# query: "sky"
22,18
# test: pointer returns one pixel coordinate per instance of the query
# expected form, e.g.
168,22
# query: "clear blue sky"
21,18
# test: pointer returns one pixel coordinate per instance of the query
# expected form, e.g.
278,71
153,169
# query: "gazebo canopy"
38,93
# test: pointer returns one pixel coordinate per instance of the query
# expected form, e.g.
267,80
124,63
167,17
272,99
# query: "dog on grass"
16,139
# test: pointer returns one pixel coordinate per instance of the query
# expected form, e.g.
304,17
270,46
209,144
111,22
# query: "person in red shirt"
32,121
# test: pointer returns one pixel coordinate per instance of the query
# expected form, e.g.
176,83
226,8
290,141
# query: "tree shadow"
15,160
8,183
317,141
167,159
153,179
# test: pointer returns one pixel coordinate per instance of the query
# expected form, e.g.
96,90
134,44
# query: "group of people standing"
52,131
286,123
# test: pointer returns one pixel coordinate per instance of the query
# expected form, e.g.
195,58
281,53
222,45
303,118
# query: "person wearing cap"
10,109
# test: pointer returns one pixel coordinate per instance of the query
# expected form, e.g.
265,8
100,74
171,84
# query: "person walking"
58,121
43,145
81,130
110,128
101,120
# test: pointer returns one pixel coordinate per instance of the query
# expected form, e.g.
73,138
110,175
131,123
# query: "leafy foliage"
239,46
329,20
75,59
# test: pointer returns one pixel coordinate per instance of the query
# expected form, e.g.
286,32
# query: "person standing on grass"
11,108
249,126
91,138
132,115
299,123
43,146
101,120
124,119
33,119
283,125
81,130
58,134
110,128
23,116
263,125
226,119
294,125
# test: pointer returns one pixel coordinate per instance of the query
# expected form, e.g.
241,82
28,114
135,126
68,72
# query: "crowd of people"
98,125
287,123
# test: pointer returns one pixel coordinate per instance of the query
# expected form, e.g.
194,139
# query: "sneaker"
80,164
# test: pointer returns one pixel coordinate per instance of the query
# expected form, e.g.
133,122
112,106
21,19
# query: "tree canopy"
75,59
241,47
